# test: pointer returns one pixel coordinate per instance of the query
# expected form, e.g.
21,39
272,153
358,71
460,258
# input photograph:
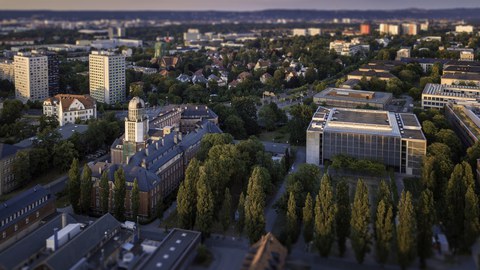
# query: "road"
271,213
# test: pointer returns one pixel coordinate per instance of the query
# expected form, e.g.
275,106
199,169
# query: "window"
26,220
4,234
38,214
16,227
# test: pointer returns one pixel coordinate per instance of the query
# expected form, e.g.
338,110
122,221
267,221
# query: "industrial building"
347,98
394,139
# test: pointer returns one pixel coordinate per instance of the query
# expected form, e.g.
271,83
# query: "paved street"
271,213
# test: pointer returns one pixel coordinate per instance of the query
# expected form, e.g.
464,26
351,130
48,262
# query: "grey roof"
8,150
156,158
462,63
353,95
460,76
172,250
21,201
69,254
30,244
463,69
424,60
65,131
372,73
452,91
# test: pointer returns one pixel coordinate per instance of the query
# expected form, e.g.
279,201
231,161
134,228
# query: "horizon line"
235,11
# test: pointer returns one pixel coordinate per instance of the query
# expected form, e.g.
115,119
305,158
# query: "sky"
234,5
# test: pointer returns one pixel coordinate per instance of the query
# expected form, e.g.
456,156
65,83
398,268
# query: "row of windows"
24,210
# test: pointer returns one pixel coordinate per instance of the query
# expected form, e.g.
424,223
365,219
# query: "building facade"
158,162
53,64
70,108
8,155
394,139
438,95
7,70
107,77
31,77
23,213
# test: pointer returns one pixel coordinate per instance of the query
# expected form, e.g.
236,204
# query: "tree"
205,205
308,219
241,213
472,218
246,109
135,197
406,228
21,168
11,112
74,185
359,222
235,126
63,154
255,206
187,194
342,222
119,192
383,231
425,221
86,188
325,210
226,210
292,221
460,179
104,192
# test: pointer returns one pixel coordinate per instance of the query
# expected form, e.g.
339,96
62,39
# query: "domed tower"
136,126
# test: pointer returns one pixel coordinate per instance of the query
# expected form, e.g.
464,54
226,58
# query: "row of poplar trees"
80,190
405,228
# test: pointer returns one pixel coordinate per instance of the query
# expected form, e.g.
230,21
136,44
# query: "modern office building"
465,120
7,70
394,139
31,77
456,79
347,98
70,108
438,95
107,77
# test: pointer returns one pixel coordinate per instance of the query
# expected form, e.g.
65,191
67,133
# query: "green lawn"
281,135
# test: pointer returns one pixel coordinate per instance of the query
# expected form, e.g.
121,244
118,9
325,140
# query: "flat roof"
360,117
354,95
462,76
173,248
450,90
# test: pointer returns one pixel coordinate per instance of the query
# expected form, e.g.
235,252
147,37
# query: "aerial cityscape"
248,135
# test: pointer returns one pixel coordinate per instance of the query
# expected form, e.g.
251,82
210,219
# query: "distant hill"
305,15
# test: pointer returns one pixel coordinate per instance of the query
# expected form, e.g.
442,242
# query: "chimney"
146,151
180,136
127,160
144,163
100,170
156,145
64,220
175,138
163,142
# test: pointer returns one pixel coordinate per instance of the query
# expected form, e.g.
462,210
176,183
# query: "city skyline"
248,5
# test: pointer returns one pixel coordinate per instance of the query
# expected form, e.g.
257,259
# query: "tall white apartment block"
31,77
464,29
107,77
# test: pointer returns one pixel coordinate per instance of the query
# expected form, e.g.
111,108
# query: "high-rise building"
424,26
136,127
464,29
31,77
394,139
107,77
389,29
365,29
7,70
410,29
53,72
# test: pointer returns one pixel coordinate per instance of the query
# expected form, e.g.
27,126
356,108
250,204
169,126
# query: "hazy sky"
231,4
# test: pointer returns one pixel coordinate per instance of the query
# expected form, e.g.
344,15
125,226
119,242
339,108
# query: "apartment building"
107,77
70,108
7,70
31,77
394,139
